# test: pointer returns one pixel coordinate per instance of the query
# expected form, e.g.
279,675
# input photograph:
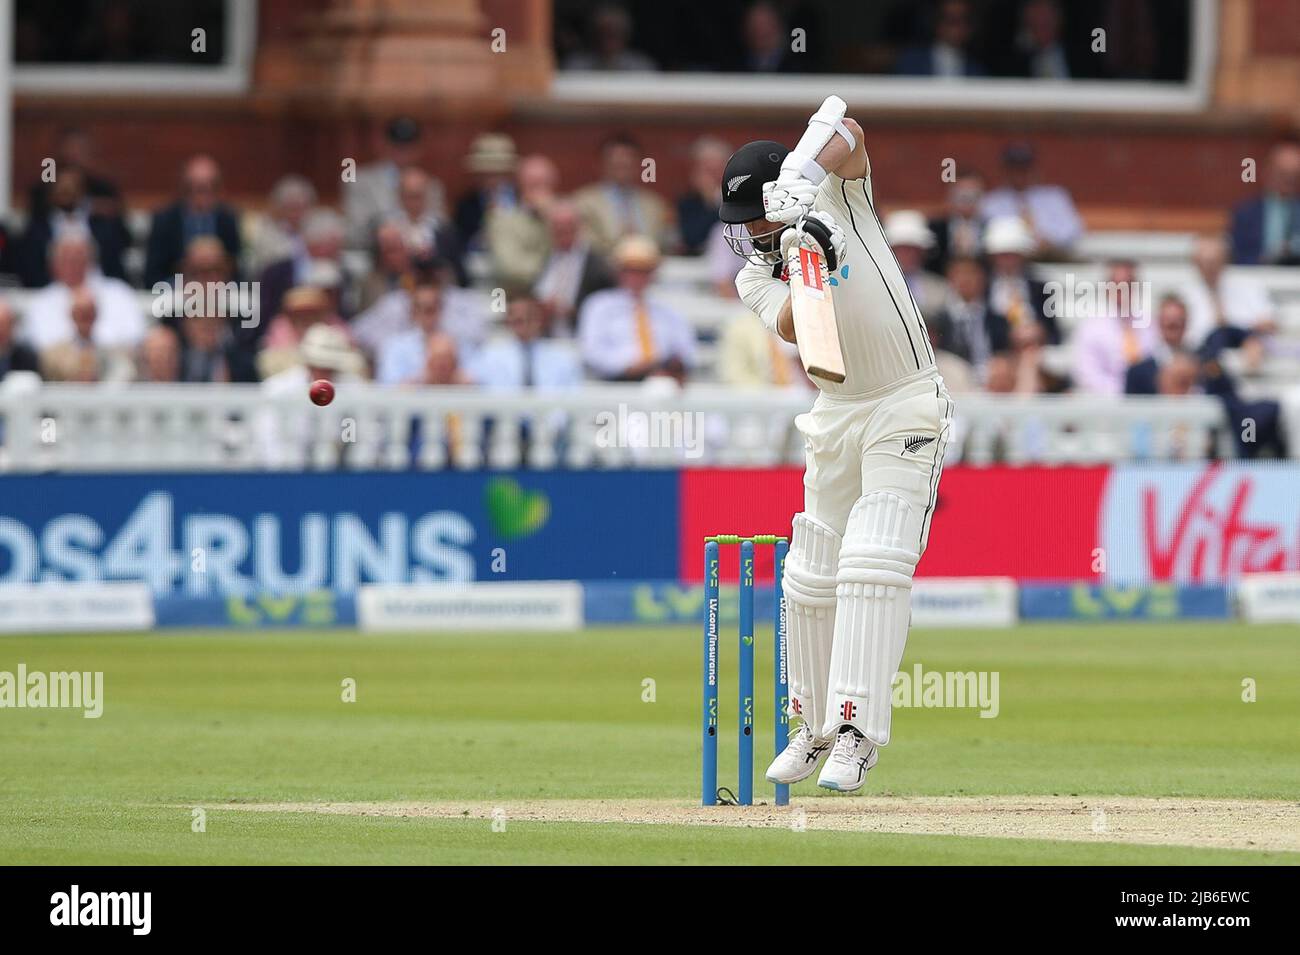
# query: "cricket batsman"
874,442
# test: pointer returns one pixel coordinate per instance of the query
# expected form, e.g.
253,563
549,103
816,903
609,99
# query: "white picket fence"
232,427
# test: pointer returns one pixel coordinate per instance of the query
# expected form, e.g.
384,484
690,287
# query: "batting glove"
819,228
788,200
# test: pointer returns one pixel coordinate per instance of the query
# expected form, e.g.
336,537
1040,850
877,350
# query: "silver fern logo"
734,182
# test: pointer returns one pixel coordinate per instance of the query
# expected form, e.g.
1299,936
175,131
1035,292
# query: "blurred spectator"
400,359
1266,230
1039,52
1143,377
967,327
159,360
521,358
463,314
74,150
626,335
206,350
68,205
1023,300
768,45
392,263
571,272
1116,336
427,235
948,55
608,35
697,208
14,355
1216,298
959,231
199,211
1048,210
280,235
373,198
749,356
517,235
724,264
303,308
1178,374
911,240
47,319
442,363
323,234
619,205
82,357
492,162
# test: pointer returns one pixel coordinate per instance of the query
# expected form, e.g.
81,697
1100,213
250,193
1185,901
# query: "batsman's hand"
788,200
818,228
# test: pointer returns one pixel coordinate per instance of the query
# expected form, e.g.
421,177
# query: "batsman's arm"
836,157
767,297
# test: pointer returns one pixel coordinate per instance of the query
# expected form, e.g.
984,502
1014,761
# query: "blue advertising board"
245,535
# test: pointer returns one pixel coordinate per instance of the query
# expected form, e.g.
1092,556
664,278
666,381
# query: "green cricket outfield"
1112,744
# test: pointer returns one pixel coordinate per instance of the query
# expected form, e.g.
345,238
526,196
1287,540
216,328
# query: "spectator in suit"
1266,230
464,313
427,235
206,353
522,358
68,205
442,362
392,263
280,235
767,42
159,358
73,150
624,333
120,320
1012,292
609,35
14,355
571,272
1039,52
82,357
966,326
373,198
1117,335
198,212
948,55
619,205
1217,299
911,240
517,239
1047,210
323,234
960,230
1143,377
697,208
492,162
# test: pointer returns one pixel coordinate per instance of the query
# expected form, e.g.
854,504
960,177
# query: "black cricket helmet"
749,167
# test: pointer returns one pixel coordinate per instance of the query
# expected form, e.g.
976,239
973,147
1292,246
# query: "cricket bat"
815,329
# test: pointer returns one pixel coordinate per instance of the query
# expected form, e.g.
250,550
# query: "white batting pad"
873,606
809,585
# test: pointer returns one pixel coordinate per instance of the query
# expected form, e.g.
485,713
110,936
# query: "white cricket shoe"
800,758
852,756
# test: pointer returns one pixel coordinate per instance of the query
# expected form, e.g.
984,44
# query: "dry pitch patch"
1198,823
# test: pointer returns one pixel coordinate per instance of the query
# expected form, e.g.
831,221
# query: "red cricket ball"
322,392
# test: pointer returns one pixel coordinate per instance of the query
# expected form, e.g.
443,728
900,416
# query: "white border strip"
232,76
735,89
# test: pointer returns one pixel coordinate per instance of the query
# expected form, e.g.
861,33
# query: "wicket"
745,683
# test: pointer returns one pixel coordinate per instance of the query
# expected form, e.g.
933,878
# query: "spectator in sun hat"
491,160
910,238
1009,245
303,308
